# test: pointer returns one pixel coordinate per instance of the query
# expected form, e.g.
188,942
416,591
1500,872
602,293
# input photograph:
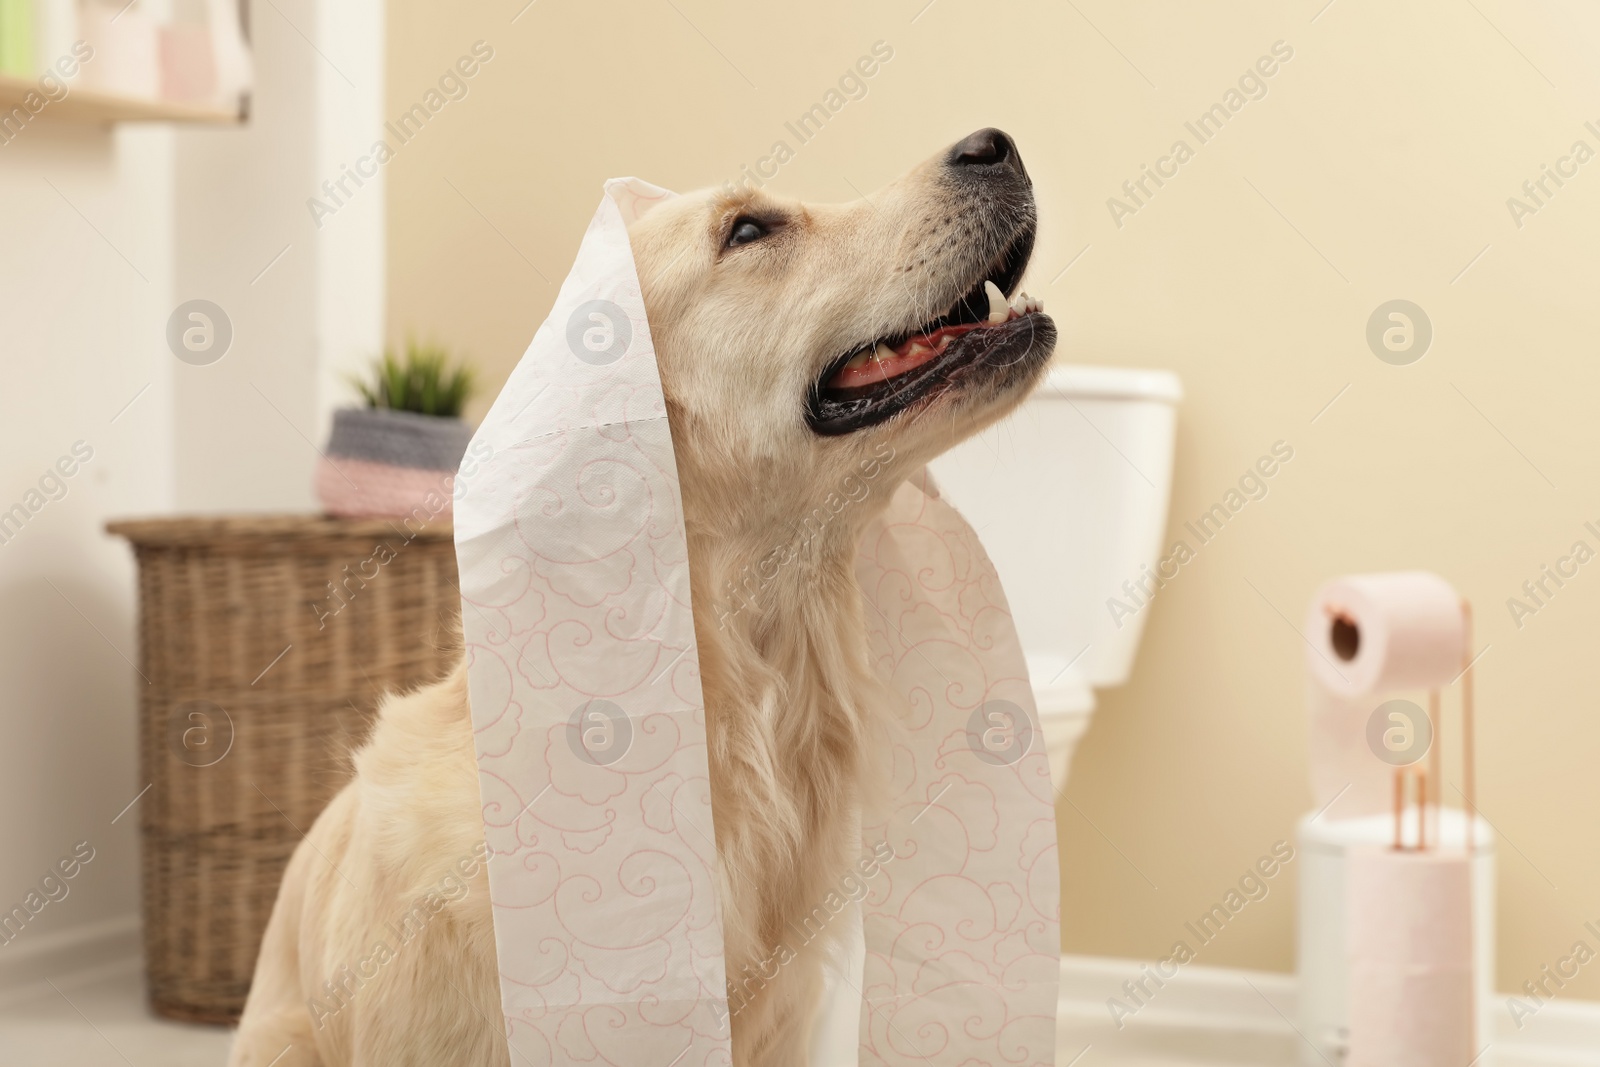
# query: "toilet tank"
1069,495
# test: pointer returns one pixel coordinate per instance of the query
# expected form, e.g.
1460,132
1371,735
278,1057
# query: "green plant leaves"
422,381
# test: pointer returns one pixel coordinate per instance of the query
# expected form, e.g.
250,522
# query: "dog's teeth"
998,311
859,360
882,352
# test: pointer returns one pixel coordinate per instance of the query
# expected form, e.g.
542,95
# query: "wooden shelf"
89,106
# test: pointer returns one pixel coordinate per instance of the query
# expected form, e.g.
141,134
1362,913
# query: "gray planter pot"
399,438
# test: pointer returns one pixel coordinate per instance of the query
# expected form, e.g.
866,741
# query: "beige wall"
1377,166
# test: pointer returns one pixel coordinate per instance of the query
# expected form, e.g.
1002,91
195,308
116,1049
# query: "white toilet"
1070,496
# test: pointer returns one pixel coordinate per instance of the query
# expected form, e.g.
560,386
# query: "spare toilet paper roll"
1409,935
1382,633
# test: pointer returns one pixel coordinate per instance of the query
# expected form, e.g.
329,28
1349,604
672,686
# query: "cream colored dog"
799,345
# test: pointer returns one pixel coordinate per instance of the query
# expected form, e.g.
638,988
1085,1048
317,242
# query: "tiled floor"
99,1019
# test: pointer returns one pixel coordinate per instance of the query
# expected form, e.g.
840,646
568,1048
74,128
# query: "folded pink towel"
359,488
390,464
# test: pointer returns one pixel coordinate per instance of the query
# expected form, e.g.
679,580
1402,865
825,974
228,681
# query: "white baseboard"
1247,1018
32,957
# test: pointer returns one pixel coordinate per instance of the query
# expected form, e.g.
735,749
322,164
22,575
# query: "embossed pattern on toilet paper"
575,592
963,932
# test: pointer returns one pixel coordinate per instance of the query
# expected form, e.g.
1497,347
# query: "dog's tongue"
883,363
870,368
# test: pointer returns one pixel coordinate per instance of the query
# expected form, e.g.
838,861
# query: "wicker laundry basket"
265,644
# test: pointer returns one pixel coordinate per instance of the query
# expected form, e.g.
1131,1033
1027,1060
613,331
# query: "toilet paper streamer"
1402,630
1347,780
962,937
1410,946
578,627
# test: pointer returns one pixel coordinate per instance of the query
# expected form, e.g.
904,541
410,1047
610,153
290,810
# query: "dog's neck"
787,688
780,623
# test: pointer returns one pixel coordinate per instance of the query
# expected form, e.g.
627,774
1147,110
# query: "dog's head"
803,345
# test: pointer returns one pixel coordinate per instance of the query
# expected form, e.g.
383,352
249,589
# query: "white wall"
102,233
85,263
248,426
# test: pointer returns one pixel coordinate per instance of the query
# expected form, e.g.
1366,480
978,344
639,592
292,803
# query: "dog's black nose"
986,148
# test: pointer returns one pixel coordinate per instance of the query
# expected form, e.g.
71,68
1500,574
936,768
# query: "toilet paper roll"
1431,1029
1382,633
1409,935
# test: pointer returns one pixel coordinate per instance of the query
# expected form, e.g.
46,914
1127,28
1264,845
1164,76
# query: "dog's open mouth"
987,327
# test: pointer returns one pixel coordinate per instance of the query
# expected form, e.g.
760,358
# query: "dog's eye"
745,231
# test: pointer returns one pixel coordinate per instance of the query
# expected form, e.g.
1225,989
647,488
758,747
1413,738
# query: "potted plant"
397,456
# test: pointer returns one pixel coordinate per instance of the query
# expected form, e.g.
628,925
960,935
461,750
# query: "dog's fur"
742,335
